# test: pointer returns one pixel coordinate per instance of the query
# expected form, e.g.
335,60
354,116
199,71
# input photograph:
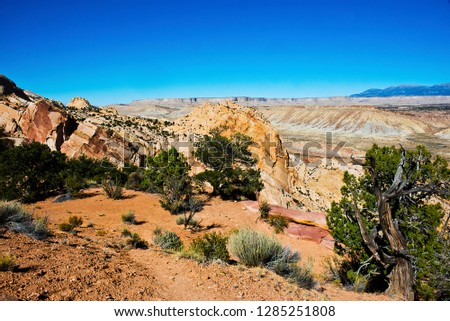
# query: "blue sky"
117,51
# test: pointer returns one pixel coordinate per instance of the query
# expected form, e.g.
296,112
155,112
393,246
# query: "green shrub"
41,230
187,222
74,185
302,276
65,227
30,172
136,242
167,240
112,189
75,221
229,161
264,210
253,248
125,232
13,212
7,263
16,218
129,218
211,246
279,223
284,262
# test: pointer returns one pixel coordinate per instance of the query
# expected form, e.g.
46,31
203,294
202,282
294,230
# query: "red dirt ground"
93,265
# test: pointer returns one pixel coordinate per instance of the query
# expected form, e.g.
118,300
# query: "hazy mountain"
407,90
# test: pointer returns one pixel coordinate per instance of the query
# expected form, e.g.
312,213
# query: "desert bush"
278,222
253,248
167,240
13,212
209,247
112,189
264,210
65,227
17,219
75,221
7,263
332,269
41,229
129,218
286,265
125,232
256,249
136,242
283,263
183,220
303,276
74,185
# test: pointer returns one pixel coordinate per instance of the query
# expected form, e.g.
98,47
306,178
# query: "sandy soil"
92,265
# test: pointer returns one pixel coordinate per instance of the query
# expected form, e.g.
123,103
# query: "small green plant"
253,248
65,227
264,210
41,230
7,262
186,222
209,247
112,189
167,240
129,218
136,242
125,232
278,222
75,221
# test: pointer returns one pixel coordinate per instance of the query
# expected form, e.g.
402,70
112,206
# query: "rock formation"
79,103
79,130
273,159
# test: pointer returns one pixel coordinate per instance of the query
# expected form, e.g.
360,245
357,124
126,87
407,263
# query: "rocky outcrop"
44,123
8,87
79,103
303,225
76,131
273,159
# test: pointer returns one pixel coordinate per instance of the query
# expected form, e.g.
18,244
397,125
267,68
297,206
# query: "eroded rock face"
75,133
273,159
44,123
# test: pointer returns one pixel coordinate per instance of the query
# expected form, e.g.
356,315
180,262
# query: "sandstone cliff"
273,159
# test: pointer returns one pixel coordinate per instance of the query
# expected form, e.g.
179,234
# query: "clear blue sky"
116,51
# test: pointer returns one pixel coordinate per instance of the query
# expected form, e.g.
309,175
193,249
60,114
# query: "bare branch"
368,240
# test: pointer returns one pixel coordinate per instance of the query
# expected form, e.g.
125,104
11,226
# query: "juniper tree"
388,228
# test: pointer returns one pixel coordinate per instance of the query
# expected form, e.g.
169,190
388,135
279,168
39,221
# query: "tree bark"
401,280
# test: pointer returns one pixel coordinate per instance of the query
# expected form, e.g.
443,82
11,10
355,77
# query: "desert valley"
300,147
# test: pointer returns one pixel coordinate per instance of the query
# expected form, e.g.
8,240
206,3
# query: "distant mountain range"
407,90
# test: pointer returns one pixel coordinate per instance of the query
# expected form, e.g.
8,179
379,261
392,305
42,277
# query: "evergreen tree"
388,229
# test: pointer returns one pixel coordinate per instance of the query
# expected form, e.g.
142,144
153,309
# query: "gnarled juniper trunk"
401,280
401,277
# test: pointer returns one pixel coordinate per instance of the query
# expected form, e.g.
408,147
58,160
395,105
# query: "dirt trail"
92,265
